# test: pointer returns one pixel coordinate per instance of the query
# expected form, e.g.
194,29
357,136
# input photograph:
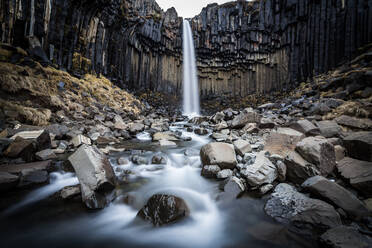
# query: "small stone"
210,171
164,209
223,174
242,147
80,140
45,155
158,160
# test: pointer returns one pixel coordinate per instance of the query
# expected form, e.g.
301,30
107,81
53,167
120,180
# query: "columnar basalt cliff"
133,42
242,47
245,47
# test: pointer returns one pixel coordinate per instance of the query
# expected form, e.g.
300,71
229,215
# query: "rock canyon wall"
242,47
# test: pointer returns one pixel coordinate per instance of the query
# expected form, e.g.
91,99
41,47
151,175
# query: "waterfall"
190,80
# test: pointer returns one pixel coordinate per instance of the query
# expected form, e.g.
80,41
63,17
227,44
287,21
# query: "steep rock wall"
242,47
133,42
245,47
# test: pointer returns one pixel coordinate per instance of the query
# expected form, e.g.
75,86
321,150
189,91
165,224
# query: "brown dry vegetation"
31,94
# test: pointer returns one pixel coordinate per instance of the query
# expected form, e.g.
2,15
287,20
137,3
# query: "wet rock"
287,205
306,127
220,137
221,154
319,152
223,174
336,195
210,171
164,136
158,160
359,145
122,161
95,175
355,123
164,209
263,190
139,160
329,129
246,116
160,126
201,131
234,187
298,169
21,148
45,155
135,128
345,237
80,140
30,174
261,172
358,173
167,143
70,192
8,181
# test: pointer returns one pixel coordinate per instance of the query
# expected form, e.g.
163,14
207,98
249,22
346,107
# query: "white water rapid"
190,80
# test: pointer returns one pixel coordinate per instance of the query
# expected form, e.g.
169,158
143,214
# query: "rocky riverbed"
86,163
295,172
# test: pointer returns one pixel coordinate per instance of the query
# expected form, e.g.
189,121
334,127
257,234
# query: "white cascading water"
190,80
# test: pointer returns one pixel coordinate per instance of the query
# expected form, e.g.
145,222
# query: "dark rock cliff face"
245,47
133,42
242,47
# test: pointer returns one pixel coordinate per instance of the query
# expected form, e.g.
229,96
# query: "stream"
216,219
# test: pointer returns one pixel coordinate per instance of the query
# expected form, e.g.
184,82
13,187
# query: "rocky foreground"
309,153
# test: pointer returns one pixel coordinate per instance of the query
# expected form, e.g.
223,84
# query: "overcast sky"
188,8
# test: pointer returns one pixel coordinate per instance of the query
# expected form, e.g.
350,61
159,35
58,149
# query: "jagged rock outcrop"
242,47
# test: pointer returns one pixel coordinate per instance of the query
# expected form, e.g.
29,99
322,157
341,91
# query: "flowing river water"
216,219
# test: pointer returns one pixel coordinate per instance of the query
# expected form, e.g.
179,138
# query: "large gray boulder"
319,152
306,127
336,195
354,123
298,169
164,136
262,171
218,153
164,209
345,237
359,145
358,173
95,175
246,116
329,129
287,205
